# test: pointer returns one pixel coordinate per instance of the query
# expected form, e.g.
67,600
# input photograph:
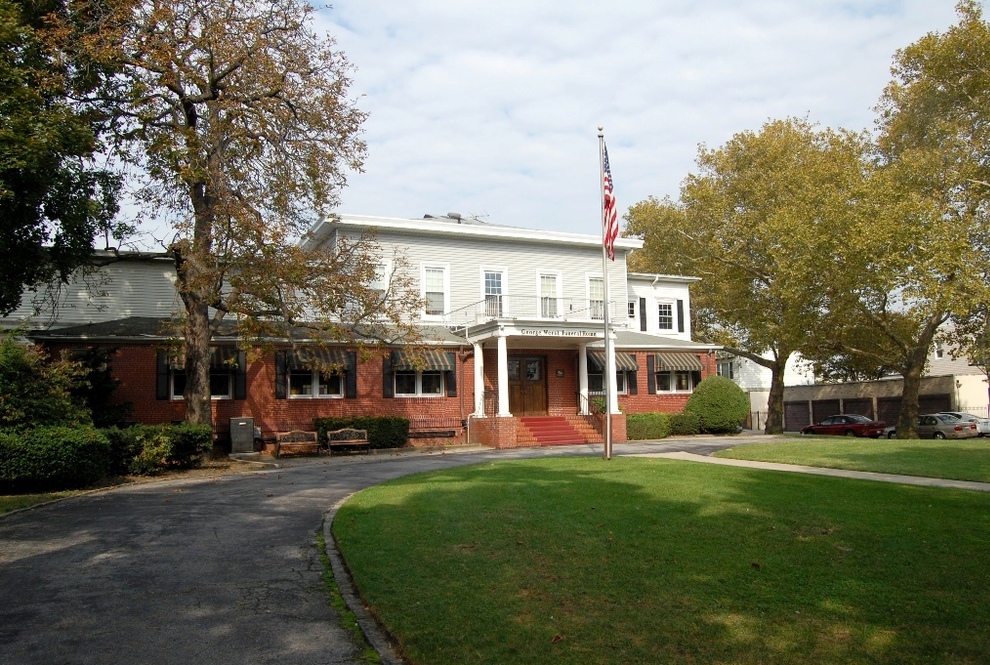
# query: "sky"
491,109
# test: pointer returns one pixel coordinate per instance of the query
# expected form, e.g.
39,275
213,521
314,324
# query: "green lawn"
9,502
658,561
967,459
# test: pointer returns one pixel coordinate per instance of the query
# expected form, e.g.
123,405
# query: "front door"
527,386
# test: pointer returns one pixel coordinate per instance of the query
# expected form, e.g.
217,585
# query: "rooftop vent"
454,215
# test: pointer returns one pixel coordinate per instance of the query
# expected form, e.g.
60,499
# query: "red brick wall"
134,366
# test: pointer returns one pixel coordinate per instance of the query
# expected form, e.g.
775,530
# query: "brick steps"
555,431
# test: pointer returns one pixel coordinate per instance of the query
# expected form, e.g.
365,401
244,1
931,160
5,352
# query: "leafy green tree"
238,114
35,392
759,224
54,198
921,255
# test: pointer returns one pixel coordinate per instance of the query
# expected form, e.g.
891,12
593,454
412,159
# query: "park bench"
348,438
296,441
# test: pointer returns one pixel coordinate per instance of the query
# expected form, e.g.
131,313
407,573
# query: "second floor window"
596,297
493,292
548,296
726,368
666,320
434,290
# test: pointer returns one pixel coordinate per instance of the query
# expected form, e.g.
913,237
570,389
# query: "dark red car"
849,424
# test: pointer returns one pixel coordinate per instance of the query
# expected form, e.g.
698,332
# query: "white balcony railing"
529,308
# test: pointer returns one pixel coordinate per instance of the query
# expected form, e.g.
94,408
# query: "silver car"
939,426
944,426
982,424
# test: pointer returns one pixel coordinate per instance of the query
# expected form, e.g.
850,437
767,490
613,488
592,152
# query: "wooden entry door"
527,385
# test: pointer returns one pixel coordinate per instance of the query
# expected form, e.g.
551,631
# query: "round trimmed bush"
721,405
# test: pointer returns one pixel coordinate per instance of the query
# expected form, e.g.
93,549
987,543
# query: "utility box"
242,435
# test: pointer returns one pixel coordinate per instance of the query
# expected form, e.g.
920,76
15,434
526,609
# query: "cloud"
492,108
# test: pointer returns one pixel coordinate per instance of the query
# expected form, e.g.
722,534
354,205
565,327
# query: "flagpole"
607,371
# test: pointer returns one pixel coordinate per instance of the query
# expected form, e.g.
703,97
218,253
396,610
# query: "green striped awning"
221,357
310,357
421,359
678,360
624,362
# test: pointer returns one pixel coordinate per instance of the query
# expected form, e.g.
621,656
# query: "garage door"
863,407
823,408
795,416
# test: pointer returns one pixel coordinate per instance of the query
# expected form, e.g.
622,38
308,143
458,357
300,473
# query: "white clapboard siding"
144,287
522,262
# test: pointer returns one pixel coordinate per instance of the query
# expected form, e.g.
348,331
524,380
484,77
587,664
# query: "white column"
479,380
583,394
503,375
613,393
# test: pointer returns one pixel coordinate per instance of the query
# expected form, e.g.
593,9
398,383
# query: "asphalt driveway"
221,570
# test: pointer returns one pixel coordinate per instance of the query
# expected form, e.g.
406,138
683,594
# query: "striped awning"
624,362
221,357
674,360
421,359
319,357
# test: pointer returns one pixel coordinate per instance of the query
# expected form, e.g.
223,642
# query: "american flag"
610,216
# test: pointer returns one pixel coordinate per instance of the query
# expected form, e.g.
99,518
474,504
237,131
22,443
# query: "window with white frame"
221,379
674,381
383,276
631,309
596,381
549,295
726,368
426,383
493,285
596,297
666,316
435,290
312,383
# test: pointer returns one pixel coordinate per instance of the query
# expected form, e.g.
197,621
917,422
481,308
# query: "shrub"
149,449
35,392
720,405
685,423
383,431
46,459
641,426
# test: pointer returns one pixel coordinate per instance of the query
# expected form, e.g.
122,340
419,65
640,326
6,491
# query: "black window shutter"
240,376
695,379
350,378
388,387
281,382
161,375
680,316
450,377
651,374
632,388
642,314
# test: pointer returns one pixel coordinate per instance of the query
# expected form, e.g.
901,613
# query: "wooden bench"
348,437
296,441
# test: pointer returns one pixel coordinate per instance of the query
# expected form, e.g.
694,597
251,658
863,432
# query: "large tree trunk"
197,395
775,401
914,366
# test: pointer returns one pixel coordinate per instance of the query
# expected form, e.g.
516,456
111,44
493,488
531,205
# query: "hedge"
685,423
383,431
640,426
150,449
54,458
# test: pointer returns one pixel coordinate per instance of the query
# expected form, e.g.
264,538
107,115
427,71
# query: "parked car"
849,424
940,426
982,424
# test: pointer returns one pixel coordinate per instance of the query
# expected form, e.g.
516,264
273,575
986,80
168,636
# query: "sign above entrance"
558,332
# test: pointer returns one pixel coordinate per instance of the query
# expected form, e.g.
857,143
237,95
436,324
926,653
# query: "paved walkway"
224,569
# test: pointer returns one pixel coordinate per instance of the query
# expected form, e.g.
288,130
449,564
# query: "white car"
982,424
